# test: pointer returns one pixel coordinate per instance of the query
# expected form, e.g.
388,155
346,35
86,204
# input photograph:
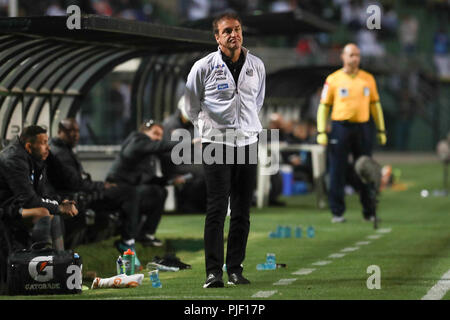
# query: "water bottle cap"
129,252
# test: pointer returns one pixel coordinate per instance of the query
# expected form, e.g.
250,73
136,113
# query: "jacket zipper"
237,93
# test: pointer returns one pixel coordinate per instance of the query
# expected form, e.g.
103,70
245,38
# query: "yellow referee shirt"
350,96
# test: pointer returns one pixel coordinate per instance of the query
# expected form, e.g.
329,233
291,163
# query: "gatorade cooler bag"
44,271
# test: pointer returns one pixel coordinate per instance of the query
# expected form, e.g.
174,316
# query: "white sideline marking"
302,272
362,243
374,236
385,230
284,282
438,291
321,263
264,294
336,255
349,249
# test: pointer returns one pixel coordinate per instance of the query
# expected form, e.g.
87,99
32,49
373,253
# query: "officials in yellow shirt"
352,96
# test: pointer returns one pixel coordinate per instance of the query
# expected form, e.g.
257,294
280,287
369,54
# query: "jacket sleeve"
262,87
194,92
144,146
16,174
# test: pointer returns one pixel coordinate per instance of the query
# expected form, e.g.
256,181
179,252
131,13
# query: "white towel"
119,281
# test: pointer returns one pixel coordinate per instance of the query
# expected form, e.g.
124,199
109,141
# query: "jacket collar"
244,50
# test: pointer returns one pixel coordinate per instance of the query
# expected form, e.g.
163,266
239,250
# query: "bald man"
352,95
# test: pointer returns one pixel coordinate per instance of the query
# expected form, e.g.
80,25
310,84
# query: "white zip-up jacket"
216,106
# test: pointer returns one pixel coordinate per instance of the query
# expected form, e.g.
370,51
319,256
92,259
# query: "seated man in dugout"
23,194
135,167
68,179
67,175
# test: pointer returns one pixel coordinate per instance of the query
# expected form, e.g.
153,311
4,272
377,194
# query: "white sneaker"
338,219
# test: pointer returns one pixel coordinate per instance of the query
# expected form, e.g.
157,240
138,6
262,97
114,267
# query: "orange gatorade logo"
41,268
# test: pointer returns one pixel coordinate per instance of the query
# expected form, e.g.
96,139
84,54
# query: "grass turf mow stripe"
438,291
304,271
284,282
264,294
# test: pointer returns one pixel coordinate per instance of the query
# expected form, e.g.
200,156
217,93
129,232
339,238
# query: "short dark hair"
30,133
225,15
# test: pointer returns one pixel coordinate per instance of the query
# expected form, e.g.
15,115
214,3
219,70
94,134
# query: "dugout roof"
45,68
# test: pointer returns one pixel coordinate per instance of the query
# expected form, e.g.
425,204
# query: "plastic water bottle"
287,232
310,232
279,231
120,267
261,266
273,235
129,261
298,232
270,261
154,278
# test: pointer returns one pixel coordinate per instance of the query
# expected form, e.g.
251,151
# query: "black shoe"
174,261
237,278
170,260
148,241
213,281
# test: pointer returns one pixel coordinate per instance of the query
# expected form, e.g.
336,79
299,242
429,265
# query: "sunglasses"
149,123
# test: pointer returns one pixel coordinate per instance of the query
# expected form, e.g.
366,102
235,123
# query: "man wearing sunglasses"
135,166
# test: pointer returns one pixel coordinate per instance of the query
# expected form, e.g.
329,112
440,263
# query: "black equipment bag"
44,271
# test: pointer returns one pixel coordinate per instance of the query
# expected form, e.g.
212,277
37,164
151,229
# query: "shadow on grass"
183,244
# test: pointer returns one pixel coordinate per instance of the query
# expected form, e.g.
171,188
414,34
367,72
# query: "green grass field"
412,257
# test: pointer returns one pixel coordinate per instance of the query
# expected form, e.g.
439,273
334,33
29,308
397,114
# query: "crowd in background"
404,28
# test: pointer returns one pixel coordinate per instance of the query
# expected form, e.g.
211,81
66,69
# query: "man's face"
155,133
40,148
230,34
70,134
351,56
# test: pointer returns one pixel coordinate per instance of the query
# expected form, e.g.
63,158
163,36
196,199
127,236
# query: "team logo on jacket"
366,91
222,86
219,69
249,72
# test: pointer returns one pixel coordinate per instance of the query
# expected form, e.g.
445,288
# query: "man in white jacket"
224,94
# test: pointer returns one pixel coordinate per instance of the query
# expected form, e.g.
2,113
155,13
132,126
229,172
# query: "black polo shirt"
235,67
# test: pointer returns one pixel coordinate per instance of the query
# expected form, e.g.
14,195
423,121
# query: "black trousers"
152,198
235,182
345,139
126,198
